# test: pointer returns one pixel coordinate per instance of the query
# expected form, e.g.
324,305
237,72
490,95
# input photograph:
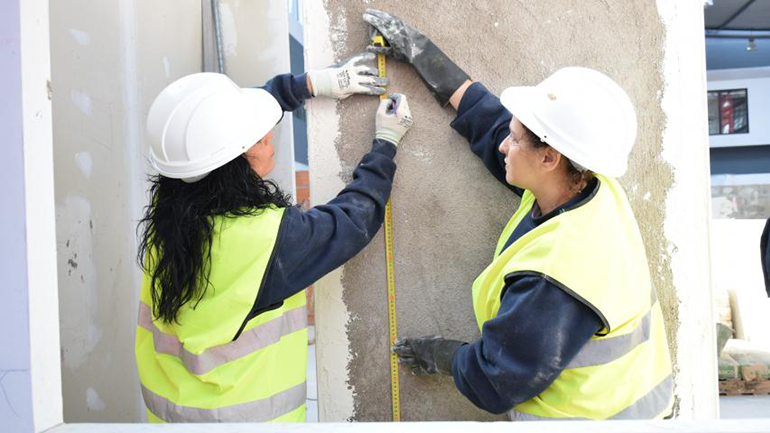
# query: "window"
728,112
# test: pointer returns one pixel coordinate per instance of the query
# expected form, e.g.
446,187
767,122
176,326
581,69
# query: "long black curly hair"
177,226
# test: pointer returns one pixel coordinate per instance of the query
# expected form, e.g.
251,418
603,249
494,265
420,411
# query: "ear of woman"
261,156
550,158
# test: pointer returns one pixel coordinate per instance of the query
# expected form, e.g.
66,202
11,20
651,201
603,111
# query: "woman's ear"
550,158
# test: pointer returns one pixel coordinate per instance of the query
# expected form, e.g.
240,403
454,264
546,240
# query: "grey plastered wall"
448,211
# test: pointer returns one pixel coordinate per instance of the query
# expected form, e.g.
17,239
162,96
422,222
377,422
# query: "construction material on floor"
741,304
744,369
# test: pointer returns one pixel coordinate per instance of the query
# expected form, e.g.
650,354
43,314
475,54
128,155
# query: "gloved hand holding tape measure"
349,77
393,118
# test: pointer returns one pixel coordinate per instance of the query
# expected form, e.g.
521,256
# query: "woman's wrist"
309,84
457,96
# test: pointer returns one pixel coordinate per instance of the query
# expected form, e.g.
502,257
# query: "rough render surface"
448,211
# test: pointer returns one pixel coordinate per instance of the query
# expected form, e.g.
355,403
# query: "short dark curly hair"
578,178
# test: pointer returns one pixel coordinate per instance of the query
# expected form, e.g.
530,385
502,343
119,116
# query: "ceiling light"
752,45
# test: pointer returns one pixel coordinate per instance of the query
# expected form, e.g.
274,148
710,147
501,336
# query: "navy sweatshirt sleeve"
290,91
483,121
538,330
313,243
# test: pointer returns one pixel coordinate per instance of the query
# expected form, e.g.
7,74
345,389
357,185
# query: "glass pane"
741,117
713,109
733,112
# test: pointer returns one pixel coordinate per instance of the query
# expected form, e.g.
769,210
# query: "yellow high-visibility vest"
193,370
595,253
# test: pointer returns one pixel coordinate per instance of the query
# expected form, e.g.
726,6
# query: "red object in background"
303,197
727,109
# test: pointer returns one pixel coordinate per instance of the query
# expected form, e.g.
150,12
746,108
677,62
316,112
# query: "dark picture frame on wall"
728,111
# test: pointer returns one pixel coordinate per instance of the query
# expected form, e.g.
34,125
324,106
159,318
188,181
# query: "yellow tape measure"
389,260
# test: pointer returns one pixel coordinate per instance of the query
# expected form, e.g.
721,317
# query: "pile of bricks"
744,369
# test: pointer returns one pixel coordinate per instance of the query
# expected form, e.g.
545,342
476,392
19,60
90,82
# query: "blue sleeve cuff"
472,95
384,147
299,87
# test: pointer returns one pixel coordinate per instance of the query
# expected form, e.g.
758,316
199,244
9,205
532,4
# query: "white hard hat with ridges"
583,114
203,121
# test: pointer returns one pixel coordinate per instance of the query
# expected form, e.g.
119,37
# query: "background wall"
757,83
740,163
448,211
109,61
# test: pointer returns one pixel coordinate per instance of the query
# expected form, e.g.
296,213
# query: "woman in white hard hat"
222,332
570,324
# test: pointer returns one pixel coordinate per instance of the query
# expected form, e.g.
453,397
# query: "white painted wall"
757,83
256,44
688,205
109,61
335,397
30,375
736,268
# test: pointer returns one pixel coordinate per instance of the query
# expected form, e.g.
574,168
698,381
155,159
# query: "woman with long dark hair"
222,332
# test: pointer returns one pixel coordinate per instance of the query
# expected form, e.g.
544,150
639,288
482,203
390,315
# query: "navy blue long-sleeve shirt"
311,243
539,328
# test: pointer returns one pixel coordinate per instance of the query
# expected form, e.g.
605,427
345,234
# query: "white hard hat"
581,113
202,121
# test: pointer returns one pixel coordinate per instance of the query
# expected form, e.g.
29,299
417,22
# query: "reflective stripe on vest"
652,405
594,252
193,370
606,350
254,411
249,341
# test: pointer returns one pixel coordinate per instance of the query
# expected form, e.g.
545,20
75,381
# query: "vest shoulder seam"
278,239
561,286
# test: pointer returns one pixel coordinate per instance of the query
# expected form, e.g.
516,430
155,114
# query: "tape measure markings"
389,259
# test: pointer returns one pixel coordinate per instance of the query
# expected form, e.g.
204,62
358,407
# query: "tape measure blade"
390,269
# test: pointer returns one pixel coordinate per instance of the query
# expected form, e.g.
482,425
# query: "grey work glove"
349,77
393,118
427,355
442,76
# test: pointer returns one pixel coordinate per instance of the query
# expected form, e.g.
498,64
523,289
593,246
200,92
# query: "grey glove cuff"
439,73
319,81
443,354
388,136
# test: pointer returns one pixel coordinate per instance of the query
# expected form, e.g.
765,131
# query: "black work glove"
427,355
438,72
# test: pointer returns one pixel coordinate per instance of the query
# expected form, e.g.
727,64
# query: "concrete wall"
109,60
30,374
757,83
448,211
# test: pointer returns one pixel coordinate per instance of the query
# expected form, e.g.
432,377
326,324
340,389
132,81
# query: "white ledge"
693,426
